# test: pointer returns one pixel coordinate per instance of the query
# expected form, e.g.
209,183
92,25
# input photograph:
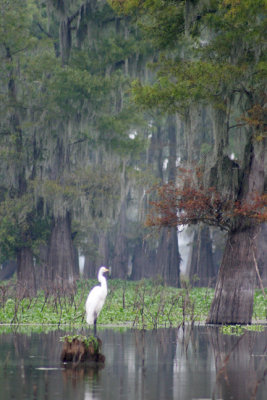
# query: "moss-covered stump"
79,348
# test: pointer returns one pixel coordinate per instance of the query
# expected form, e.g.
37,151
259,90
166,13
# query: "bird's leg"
95,327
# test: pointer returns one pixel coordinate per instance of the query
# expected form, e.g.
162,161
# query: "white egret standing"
96,299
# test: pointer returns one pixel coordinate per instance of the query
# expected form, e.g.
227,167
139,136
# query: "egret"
96,299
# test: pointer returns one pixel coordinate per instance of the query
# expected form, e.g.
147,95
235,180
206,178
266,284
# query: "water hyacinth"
144,304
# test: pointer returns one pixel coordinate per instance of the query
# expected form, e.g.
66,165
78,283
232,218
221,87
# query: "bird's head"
103,270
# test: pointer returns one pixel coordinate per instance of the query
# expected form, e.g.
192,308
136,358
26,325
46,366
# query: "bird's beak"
106,270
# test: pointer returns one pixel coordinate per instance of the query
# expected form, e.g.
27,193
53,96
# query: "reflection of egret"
96,299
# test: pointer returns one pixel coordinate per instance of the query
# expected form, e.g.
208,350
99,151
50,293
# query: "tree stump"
77,349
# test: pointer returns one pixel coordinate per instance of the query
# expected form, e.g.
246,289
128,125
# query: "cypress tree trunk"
43,280
25,266
120,260
26,285
169,241
143,260
168,258
234,291
61,254
90,267
92,262
201,268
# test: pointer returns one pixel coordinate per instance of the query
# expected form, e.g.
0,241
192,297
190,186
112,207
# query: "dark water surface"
167,364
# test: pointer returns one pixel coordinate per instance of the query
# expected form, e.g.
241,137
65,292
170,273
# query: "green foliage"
260,305
181,83
21,226
238,330
84,339
115,132
162,22
222,53
69,88
15,20
145,304
58,119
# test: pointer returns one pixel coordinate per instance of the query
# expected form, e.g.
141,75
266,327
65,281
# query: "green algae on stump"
80,348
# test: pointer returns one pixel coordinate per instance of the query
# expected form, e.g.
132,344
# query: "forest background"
103,101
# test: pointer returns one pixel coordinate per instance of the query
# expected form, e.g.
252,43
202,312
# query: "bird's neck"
103,282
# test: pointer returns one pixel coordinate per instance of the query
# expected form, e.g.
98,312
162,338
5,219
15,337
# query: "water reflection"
167,364
84,379
241,364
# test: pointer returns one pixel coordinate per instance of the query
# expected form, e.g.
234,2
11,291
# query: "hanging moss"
82,23
58,5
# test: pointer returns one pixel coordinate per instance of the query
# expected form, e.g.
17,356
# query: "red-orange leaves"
256,209
190,204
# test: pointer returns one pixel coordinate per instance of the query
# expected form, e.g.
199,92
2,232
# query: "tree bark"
201,268
120,261
234,291
43,280
168,258
25,265
26,285
98,257
144,255
61,253
7,270
90,267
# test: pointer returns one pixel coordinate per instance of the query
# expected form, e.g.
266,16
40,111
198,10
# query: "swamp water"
167,364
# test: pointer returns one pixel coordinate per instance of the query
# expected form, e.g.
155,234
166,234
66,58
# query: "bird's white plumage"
96,298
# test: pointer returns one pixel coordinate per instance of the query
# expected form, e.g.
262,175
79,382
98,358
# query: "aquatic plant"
145,304
91,340
238,330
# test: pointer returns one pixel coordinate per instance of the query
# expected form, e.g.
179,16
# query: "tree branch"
44,31
237,125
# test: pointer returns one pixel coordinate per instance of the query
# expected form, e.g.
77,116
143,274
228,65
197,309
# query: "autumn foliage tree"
188,202
214,53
